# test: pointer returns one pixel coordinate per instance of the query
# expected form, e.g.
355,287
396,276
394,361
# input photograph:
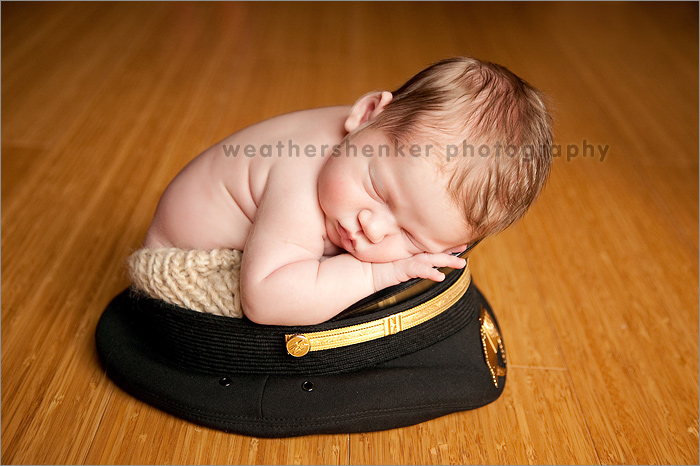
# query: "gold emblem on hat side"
492,343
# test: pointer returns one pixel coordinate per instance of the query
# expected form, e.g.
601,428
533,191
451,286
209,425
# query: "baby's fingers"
424,265
446,260
423,269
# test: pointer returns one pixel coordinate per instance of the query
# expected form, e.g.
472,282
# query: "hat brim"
448,376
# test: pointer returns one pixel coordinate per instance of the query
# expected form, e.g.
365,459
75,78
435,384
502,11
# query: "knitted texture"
204,281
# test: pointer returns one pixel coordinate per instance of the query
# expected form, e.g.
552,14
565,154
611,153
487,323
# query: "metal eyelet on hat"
225,381
307,386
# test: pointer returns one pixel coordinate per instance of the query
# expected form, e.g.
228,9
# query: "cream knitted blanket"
204,281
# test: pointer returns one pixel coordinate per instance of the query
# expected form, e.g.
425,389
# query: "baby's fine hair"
492,130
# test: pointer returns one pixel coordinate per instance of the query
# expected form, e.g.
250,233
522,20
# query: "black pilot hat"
404,355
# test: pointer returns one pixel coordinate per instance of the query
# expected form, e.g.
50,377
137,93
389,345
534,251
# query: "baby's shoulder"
309,126
294,145
327,121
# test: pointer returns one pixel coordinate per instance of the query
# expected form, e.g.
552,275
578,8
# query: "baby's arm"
311,291
285,282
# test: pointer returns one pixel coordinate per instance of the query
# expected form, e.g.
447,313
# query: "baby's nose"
374,225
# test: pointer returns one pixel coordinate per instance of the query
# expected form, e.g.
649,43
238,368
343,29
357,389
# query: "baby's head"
485,132
501,121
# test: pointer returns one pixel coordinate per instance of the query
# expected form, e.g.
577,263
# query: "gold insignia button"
298,345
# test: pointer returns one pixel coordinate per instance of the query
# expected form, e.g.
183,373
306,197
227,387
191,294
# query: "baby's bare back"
213,201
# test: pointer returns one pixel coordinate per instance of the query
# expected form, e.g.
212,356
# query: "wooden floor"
596,289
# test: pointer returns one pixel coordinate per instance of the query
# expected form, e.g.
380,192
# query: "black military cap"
404,355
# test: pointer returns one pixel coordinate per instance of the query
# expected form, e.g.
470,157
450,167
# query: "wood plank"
71,61
537,420
28,29
16,166
127,436
620,325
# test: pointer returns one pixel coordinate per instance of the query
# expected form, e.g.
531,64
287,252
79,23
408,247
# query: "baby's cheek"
335,197
338,187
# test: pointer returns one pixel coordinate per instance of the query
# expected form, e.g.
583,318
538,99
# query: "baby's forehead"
421,198
428,168
442,149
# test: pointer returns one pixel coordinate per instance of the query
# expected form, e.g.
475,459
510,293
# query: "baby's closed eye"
412,240
456,249
372,189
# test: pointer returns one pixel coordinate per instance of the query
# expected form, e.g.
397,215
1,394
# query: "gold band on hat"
299,345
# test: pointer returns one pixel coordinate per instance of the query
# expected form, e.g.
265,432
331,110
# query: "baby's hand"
417,266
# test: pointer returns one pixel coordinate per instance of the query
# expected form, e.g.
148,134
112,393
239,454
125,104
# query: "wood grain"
596,289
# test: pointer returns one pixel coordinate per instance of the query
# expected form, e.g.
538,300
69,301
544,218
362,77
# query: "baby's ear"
366,109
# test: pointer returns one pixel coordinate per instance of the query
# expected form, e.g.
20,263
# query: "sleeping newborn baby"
330,205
